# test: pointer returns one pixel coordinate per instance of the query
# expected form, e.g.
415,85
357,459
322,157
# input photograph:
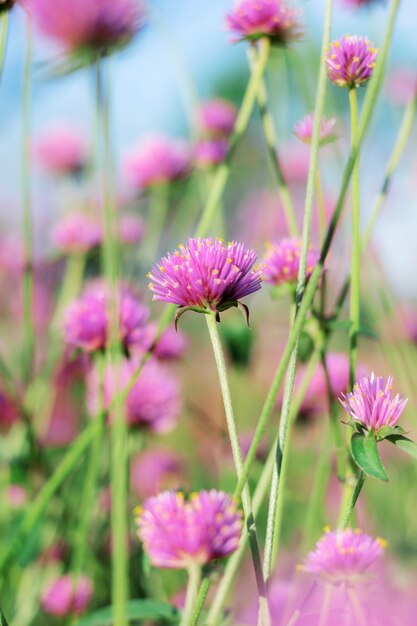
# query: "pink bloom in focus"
217,118
282,261
344,556
210,152
372,404
62,150
153,402
88,25
131,230
65,596
206,274
156,160
254,19
176,532
86,321
155,470
303,129
77,234
350,61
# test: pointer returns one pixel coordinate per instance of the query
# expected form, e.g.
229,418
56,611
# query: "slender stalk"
194,575
271,142
201,598
223,171
321,211
4,27
237,457
355,271
158,209
273,513
349,502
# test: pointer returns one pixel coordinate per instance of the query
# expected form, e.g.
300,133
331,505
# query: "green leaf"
3,620
366,456
159,612
404,443
385,431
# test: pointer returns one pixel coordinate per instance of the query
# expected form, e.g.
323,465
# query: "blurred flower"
206,274
76,233
16,496
155,470
62,150
153,402
350,61
170,345
254,19
88,26
156,160
131,229
217,118
67,596
372,404
303,129
176,531
401,85
344,556
86,322
9,413
210,152
361,3
282,261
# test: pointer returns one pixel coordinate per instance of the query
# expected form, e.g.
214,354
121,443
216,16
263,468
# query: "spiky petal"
350,61
303,129
254,19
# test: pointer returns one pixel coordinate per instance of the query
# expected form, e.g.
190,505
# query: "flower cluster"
254,19
177,531
282,261
350,61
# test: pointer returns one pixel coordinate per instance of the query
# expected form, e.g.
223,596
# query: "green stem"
273,512
223,171
350,497
355,271
194,575
4,24
158,209
320,204
271,142
237,456
201,598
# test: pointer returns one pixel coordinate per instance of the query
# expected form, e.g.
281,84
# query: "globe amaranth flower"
303,129
170,346
254,19
217,118
350,61
177,531
66,596
372,403
90,26
344,556
77,233
156,160
62,150
206,275
210,152
154,399
87,319
282,261
154,470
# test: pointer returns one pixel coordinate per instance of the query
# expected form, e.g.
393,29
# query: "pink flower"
156,160
131,230
9,413
372,404
206,274
77,233
153,402
88,25
176,531
282,261
210,152
344,556
217,118
254,19
155,470
62,150
67,596
170,345
361,3
401,85
350,61
17,496
303,129
86,320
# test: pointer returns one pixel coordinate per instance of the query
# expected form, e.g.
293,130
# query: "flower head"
350,61
344,556
62,151
77,233
87,319
156,160
282,261
210,152
303,129
254,19
88,25
206,274
177,531
372,404
67,596
217,118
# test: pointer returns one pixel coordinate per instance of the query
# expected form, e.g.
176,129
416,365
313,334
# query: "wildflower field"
208,347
